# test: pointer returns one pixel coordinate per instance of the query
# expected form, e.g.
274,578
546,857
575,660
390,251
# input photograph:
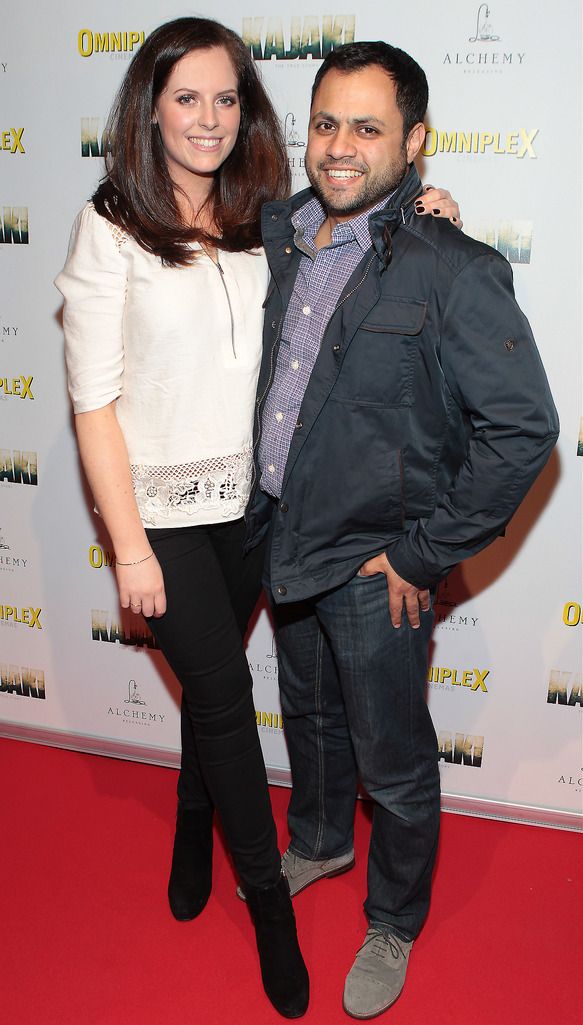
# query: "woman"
163,291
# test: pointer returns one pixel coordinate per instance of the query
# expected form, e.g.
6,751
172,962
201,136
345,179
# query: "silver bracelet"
136,563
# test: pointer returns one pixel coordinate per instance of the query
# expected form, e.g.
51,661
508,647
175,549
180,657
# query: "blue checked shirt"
322,274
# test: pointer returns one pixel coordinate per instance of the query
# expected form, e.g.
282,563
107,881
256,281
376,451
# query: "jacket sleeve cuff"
411,566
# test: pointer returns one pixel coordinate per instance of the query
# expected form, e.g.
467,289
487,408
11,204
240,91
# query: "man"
403,413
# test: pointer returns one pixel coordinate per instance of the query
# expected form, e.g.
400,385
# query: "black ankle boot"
284,974
190,881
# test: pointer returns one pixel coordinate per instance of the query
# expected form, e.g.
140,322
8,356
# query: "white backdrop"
504,136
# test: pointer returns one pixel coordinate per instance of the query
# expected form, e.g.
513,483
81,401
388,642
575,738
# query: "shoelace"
381,942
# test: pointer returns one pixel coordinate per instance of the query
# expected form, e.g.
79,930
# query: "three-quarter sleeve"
93,285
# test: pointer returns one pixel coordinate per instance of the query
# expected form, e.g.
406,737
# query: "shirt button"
335,348
295,364
306,310
274,324
271,468
274,217
288,249
299,425
509,344
284,507
282,589
279,417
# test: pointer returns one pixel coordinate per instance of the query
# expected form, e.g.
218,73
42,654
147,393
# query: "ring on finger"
134,606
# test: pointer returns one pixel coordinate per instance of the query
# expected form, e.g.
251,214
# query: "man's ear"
415,140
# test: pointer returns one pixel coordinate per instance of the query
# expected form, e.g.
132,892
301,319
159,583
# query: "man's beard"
372,191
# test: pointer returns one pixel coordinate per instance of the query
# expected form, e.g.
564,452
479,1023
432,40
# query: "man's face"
356,154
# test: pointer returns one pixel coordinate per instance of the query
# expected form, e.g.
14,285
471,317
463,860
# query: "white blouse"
178,349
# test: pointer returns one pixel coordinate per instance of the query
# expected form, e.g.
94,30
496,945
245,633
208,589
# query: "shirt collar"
309,217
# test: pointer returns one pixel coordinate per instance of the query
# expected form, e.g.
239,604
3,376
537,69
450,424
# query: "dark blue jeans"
353,702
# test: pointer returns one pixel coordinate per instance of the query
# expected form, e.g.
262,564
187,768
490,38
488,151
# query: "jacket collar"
276,216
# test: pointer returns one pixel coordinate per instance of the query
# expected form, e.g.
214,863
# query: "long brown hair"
137,193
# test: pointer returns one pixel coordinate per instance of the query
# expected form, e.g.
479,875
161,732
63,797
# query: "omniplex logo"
308,37
512,144
11,140
475,679
14,225
26,616
89,42
18,387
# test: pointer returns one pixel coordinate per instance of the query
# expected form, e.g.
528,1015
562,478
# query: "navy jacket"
427,416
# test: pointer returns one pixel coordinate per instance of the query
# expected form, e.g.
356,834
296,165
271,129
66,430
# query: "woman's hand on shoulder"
438,203
141,587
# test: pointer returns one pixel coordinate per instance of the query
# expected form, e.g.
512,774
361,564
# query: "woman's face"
198,115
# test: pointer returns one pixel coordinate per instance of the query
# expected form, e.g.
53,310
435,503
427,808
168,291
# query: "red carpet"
87,937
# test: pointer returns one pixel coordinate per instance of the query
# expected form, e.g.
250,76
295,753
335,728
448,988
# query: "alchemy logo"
460,749
269,720
135,633
444,678
134,697
564,689
572,781
484,57
135,715
483,27
512,144
3,67
7,331
93,137
10,615
18,467
98,557
16,387
268,667
308,36
511,238
11,141
292,138
9,562
89,43
572,614
28,683
14,225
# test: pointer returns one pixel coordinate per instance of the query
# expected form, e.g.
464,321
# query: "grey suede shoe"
300,872
378,974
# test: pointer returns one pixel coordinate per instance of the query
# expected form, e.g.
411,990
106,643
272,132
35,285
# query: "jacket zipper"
352,290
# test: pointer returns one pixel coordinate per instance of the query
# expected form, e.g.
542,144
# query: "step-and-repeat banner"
504,684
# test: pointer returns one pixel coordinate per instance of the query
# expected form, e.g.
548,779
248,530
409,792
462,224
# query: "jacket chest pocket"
380,364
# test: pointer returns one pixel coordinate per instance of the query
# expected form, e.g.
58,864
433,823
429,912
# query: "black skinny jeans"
211,590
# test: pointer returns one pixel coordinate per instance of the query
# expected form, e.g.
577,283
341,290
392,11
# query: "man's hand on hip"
399,591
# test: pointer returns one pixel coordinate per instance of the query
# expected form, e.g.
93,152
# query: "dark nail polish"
454,219
419,208
437,211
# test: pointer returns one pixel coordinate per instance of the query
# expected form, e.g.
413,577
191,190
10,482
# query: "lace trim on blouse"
118,235
219,485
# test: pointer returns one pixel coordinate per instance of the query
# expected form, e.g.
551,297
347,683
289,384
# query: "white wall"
510,619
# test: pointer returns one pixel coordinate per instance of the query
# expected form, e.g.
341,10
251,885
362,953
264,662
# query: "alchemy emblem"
483,27
134,697
291,136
